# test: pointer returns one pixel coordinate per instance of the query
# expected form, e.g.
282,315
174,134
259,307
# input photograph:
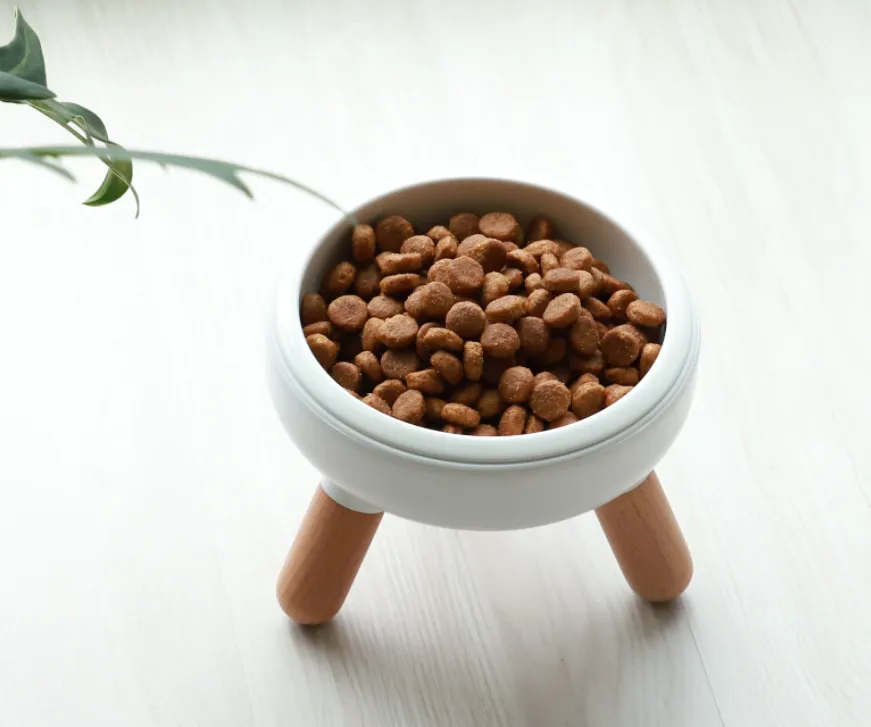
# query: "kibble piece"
421,245
589,378
448,366
433,406
645,313
348,312
564,247
532,283
325,350
452,429
413,304
619,301
543,376
436,299
422,349
464,416
534,335
603,328
389,390
339,279
484,430
314,309
383,306
325,328
539,229
540,247
376,402
397,363
369,365
368,281
495,286
586,285
399,284
578,258
623,375
599,310
438,232
466,319
465,248
446,248
609,285
513,421
391,232
614,393
347,375
516,384
567,418
514,277
533,425
468,276
468,394
499,225
473,360
587,399
554,353
562,280
363,243
536,302
562,311
584,336
648,356
409,407
428,381
463,225
550,400
398,331
394,263
548,262
500,340
370,338
601,265
523,260
621,345
592,364
490,255
506,309
437,339
490,404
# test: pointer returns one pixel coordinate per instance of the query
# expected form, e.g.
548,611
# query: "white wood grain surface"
148,494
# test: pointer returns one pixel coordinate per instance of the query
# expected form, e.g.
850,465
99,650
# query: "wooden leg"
647,542
324,559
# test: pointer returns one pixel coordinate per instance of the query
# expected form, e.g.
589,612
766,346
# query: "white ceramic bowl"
374,462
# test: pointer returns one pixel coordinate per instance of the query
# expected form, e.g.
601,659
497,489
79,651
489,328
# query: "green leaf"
14,88
118,180
85,119
22,57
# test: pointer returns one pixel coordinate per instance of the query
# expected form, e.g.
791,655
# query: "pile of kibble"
479,327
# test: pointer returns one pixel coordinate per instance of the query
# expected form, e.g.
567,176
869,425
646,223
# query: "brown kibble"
564,247
534,425
313,309
548,262
602,328
614,393
473,360
484,430
618,303
448,366
645,313
467,278
438,233
489,254
398,331
562,311
463,225
397,363
601,265
534,335
368,363
427,381
543,376
409,407
598,309
421,245
609,285
452,429
376,402
363,243
536,302
347,375
446,248
323,348
567,418
516,384
436,299
562,280
383,306
368,281
422,349
391,232
490,404
466,319
584,336
553,354
586,285
339,279
389,390
540,247
370,339
495,286
499,225
506,309
623,375
464,416
532,283
500,340
394,263
437,339
578,258
550,400
592,364
467,245
621,345
648,357
468,394
587,399
399,284
325,328
442,272
433,408
510,246
348,312
588,378
539,229
413,304
513,421
524,261
514,277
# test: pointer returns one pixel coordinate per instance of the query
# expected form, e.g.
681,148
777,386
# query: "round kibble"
399,284
391,232
448,366
500,340
468,394
421,245
536,302
339,279
562,311
389,390
588,378
587,399
347,375
394,263
578,258
383,306
489,254
619,301
434,407
614,393
562,280
464,416
554,353
348,312
495,285
422,349
452,429
533,425
468,276
532,283
413,304
621,346
399,363
368,282
567,418
363,243
409,407
599,310
645,313
466,319
539,229
325,328
603,328
438,232
369,365
624,375
325,350
499,225
484,430
428,381
514,276
473,360
543,376
550,400
524,261
516,384
376,402
464,224
398,331
534,335
586,285
610,285
564,246
513,421
442,272
600,265
490,404
506,309
437,339
584,336
592,364
540,247
436,299
446,248
314,309
370,338
464,249
548,262
648,355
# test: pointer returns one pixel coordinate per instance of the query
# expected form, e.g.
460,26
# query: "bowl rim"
679,352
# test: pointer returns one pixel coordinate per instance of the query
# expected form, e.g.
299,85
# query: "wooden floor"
148,493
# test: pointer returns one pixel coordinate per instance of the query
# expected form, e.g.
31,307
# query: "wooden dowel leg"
324,559
647,542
